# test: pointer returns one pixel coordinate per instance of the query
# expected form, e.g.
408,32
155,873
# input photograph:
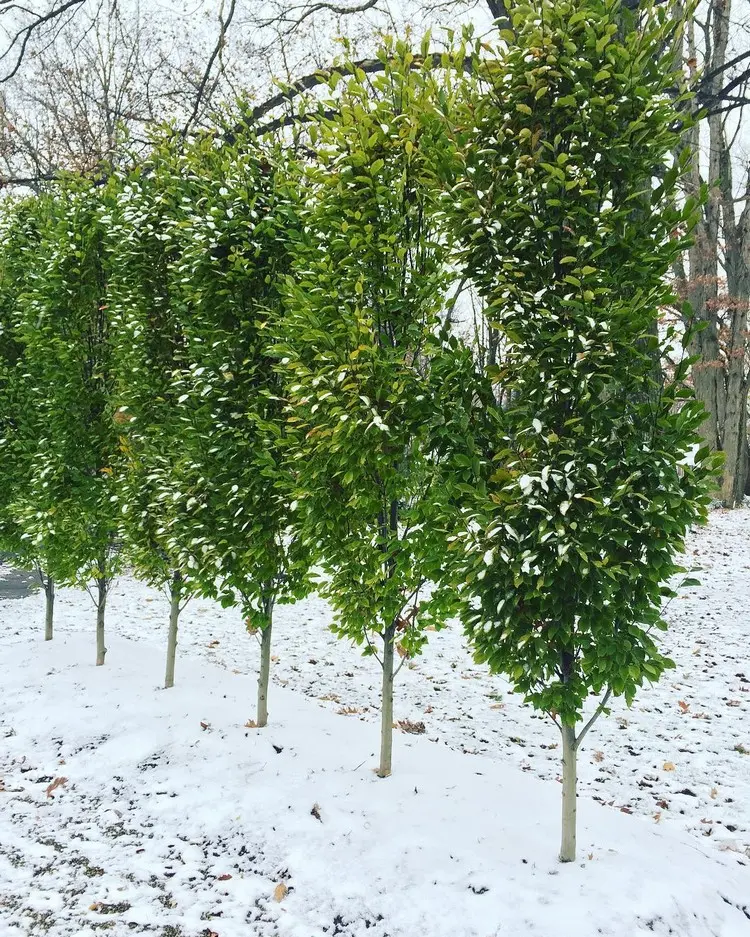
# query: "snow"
169,792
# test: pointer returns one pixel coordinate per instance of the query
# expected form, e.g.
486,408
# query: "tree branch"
23,35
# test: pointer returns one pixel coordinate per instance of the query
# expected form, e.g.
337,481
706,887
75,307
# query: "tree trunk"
101,605
386,704
175,594
570,777
49,593
265,666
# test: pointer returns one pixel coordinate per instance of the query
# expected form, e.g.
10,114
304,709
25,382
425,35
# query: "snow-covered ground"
168,792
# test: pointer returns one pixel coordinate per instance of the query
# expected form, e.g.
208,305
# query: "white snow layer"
175,819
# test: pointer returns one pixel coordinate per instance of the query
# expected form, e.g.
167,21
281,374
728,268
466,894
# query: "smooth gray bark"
265,667
386,704
570,778
175,593
101,605
49,614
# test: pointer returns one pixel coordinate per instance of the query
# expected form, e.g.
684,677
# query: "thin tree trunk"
265,666
175,594
49,614
570,777
386,704
101,605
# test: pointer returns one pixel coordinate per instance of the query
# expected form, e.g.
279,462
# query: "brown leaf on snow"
213,643
280,892
598,756
251,724
668,766
348,710
223,878
315,812
413,728
683,705
58,782
205,725
714,793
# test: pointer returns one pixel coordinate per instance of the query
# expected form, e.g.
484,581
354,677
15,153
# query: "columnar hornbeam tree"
19,236
373,389
68,505
149,348
568,236
233,248
201,244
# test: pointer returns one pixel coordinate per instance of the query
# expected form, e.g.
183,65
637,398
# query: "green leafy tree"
205,234
20,222
567,555
67,506
374,386
149,351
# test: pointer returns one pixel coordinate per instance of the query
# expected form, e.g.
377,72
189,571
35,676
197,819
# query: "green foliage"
566,557
201,240
19,236
374,388
64,501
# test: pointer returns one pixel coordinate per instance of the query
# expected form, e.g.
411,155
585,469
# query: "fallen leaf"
280,892
213,643
668,766
205,725
598,756
413,728
714,793
223,878
315,812
683,705
251,724
657,816
58,782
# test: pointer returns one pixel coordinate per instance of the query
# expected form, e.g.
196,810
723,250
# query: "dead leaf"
205,725
668,766
413,728
714,793
251,724
349,711
657,816
214,643
224,878
315,812
598,756
683,705
626,810
402,652
280,892
94,907
58,782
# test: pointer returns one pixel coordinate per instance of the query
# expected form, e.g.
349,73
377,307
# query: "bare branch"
21,38
223,27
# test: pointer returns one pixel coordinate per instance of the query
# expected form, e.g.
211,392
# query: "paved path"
16,583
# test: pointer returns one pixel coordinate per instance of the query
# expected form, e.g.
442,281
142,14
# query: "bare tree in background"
715,275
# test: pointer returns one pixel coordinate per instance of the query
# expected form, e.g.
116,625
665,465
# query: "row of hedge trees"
236,368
